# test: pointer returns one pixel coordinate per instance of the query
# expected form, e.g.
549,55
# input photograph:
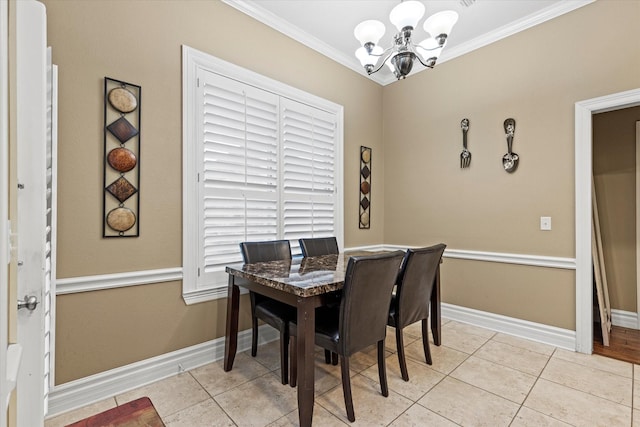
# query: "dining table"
305,283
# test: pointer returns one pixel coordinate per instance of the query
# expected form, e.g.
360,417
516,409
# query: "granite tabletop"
299,276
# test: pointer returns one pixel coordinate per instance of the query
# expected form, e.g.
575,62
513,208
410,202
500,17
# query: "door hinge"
198,271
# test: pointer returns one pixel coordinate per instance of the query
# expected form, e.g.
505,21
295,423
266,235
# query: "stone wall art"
365,188
121,202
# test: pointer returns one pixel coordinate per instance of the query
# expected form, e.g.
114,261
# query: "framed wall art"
121,201
365,188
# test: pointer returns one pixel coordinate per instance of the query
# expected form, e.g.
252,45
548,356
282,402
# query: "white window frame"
192,61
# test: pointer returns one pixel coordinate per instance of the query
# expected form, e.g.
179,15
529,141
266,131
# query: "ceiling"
327,25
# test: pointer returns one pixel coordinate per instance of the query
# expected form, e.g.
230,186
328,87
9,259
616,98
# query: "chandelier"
401,56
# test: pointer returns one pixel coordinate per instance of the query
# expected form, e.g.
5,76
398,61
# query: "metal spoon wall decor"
465,156
510,160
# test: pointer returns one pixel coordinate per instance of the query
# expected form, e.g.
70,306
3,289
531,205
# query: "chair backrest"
319,246
271,250
366,296
415,283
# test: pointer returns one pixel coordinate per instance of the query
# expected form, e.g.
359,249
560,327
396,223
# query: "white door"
34,210
9,354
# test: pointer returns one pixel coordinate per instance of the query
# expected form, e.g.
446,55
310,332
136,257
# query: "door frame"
6,384
584,111
638,224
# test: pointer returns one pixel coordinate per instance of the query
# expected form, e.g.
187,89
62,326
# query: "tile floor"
478,378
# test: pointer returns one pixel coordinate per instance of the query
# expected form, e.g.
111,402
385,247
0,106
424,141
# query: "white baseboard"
558,337
86,391
625,319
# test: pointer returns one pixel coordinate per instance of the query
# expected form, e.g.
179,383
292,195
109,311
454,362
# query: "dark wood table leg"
436,322
231,333
306,367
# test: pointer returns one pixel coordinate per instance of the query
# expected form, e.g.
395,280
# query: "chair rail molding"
71,285
117,280
500,257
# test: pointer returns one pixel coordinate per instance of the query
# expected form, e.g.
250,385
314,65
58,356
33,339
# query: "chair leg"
425,342
293,353
346,388
254,336
330,358
382,369
284,355
401,359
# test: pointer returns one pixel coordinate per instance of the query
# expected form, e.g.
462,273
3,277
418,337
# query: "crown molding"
254,10
543,15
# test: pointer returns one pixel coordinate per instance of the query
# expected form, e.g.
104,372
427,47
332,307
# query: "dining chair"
270,311
318,246
412,297
315,246
361,318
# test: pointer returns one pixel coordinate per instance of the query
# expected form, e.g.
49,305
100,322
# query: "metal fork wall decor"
121,184
509,161
465,156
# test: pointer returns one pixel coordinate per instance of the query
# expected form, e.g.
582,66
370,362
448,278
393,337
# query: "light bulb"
369,32
406,14
369,59
441,23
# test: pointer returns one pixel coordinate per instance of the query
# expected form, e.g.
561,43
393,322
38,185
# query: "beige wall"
614,169
140,42
420,195
536,77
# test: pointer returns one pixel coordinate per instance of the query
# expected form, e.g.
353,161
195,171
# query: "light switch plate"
545,223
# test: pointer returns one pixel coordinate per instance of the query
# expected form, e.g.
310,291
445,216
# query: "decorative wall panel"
365,188
121,203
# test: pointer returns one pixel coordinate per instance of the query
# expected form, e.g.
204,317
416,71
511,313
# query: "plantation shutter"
239,179
261,161
308,138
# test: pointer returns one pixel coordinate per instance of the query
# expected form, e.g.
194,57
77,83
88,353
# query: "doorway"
616,158
584,111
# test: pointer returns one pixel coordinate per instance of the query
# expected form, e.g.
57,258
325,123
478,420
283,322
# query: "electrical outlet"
545,223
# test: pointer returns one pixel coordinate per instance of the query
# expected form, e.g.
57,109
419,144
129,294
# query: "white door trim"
7,372
584,167
638,224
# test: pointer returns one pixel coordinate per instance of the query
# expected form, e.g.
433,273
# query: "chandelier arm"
415,48
429,64
388,52
426,65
